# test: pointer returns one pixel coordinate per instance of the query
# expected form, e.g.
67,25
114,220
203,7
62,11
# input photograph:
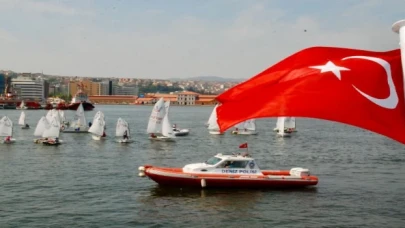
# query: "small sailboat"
281,128
159,124
122,130
79,124
57,114
180,132
51,133
42,125
22,106
97,128
213,126
6,130
247,127
289,124
64,124
22,122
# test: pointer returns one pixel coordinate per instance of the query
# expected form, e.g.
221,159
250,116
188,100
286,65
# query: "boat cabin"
226,164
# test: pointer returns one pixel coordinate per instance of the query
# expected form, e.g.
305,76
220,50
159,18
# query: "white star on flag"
330,67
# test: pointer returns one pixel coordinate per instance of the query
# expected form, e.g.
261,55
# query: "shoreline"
209,105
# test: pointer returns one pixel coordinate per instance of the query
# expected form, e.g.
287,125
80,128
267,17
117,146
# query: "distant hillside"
208,79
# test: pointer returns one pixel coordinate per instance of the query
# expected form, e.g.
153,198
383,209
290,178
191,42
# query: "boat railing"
244,154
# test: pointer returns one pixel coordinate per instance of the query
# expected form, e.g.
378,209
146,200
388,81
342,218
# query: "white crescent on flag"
391,101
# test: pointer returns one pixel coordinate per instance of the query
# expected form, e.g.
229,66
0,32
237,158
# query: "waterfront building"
29,88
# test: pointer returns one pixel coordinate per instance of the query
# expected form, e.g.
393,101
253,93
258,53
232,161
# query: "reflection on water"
219,206
159,191
161,145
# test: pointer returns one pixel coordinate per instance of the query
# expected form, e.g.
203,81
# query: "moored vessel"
80,98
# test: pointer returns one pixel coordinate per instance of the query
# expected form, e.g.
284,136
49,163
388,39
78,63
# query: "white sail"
54,113
290,122
167,129
62,116
250,125
97,127
21,121
80,119
279,120
53,129
122,126
98,114
22,105
240,125
156,117
280,125
212,121
49,115
42,124
6,127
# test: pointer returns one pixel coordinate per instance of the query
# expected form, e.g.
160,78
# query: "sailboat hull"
244,132
216,133
294,130
96,137
85,130
124,141
182,132
38,141
8,142
24,127
47,143
42,140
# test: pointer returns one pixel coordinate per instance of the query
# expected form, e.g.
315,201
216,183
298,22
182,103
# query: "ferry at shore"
10,101
80,98
228,171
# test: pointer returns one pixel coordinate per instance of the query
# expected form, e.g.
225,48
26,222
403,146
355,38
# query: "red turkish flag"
244,145
356,87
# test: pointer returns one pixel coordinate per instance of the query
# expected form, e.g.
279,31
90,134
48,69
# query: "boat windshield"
213,161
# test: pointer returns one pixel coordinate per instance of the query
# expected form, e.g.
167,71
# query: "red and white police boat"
235,171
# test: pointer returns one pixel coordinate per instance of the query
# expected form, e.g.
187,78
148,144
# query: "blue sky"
183,38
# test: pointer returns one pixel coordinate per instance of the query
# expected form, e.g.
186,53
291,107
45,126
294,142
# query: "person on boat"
90,124
125,135
229,164
236,129
27,126
152,135
56,140
174,127
7,139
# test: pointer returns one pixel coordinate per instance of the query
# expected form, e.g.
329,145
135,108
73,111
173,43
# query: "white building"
28,88
187,98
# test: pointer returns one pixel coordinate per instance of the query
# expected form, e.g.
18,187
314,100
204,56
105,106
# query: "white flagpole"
399,27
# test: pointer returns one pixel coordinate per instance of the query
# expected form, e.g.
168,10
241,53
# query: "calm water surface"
87,183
